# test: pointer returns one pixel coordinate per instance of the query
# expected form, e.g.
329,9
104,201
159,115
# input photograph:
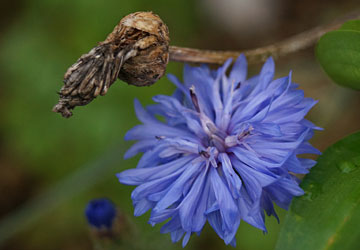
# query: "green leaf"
353,25
339,54
328,215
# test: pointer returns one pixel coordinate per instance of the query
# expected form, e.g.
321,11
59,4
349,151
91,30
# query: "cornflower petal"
239,72
188,205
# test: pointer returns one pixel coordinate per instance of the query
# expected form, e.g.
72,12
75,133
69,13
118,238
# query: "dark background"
50,166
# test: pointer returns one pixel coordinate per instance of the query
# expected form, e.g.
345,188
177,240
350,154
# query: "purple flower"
225,152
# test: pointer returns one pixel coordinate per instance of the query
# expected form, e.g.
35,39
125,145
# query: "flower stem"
292,44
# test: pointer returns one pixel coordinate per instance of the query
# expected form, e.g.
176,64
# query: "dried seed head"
151,49
137,52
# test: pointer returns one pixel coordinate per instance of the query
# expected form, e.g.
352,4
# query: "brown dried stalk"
295,43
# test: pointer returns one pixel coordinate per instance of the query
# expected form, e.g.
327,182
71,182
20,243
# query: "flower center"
216,137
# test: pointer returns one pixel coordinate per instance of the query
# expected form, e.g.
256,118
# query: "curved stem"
295,43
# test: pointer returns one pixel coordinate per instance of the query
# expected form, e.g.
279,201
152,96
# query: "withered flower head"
136,51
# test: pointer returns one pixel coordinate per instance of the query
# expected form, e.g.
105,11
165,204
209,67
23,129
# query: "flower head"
226,151
100,213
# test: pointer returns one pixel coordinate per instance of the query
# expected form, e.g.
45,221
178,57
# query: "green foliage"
328,215
36,49
339,54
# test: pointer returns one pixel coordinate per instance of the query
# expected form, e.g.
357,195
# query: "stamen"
243,134
215,131
205,154
234,140
194,98
211,155
231,141
217,143
238,85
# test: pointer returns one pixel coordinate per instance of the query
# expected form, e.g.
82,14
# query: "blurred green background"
50,166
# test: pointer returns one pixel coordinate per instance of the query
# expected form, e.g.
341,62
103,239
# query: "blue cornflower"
225,152
100,213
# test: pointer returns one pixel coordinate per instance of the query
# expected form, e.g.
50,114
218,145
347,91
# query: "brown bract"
136,51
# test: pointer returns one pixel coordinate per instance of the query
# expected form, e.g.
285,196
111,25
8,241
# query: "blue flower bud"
100,213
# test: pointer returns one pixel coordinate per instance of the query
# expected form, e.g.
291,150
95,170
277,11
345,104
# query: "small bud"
100,213
137,52
110,228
